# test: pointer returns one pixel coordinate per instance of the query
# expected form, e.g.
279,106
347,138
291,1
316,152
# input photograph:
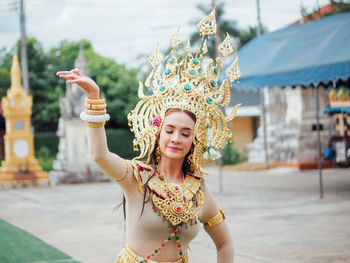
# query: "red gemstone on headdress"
178,208
176,188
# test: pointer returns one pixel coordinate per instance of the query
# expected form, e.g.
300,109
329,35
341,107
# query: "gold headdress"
183,84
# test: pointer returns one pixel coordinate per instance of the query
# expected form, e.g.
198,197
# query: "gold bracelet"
127,169
217,219
95,101
95,124
95,112
90,106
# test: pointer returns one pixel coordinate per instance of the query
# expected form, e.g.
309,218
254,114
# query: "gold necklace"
174,203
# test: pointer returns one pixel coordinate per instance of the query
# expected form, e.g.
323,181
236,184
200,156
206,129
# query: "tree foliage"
118,84
337,7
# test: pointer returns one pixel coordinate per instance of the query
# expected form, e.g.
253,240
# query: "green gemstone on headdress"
216,70
171,60
210,101
187,87
162,88
167,72
213,83
192,72
195,61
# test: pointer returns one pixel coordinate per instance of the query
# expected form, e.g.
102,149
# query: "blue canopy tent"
311,53
303,54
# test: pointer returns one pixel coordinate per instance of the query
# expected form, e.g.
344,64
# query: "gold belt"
129,256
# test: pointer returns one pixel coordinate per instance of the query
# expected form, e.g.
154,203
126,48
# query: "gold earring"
158,154
190,158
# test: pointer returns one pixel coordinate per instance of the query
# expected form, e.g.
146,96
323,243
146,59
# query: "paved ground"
274,216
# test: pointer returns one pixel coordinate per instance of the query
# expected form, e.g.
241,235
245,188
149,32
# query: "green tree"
245,35
230,154
42,85
5,71
337,7
117,83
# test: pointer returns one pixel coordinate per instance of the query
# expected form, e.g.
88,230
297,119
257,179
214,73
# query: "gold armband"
127,169
217,219
95,124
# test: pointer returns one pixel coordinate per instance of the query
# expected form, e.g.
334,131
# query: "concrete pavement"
274,216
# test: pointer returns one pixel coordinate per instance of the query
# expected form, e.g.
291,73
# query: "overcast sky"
122,30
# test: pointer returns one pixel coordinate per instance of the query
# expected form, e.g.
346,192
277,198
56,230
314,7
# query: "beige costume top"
169,220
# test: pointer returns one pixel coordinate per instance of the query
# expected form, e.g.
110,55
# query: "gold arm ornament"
90,106
95,124
127,169
95,101
217,219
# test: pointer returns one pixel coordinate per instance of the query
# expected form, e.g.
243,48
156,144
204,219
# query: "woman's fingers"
77,71
68,76
62,72
65,72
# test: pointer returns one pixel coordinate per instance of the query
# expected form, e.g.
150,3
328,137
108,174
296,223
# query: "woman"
177,128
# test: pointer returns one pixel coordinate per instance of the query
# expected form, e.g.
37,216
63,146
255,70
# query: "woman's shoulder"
142,172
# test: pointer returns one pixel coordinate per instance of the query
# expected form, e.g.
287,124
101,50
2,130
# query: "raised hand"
75,76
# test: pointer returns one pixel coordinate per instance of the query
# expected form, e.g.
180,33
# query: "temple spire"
15,74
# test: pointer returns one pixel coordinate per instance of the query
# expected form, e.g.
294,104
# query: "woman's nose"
175,138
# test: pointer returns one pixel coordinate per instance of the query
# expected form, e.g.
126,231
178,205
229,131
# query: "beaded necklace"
175,204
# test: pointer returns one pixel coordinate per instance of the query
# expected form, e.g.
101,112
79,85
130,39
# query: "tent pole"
263,119
319,140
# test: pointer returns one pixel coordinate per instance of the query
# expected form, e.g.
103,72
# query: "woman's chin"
174,155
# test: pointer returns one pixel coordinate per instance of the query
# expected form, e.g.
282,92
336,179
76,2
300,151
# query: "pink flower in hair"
157,121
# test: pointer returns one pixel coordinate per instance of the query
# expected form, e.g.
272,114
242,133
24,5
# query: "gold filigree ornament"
177,203
183,83
207,26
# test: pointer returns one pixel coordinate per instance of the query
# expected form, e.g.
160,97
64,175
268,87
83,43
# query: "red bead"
178,245
176,188
163,245
178,208
148,257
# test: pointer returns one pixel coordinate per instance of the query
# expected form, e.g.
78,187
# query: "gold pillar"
20,165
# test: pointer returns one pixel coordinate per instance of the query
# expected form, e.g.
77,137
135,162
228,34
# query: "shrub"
230,154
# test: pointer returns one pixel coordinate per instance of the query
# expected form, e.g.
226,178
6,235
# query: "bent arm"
223,242
219,233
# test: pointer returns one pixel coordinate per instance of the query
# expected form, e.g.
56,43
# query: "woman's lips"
173,148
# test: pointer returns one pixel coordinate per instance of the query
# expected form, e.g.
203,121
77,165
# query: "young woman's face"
176,135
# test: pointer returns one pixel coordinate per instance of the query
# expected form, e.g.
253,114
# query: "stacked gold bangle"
95,114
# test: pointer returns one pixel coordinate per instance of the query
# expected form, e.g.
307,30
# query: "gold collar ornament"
177,203
185,84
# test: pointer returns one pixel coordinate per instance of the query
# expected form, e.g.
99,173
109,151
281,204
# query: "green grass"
18,246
